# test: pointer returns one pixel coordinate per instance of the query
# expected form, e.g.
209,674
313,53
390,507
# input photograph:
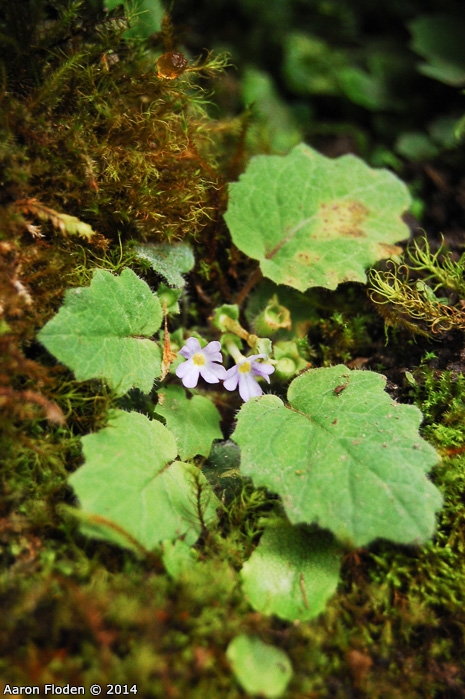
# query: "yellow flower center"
198,359
244,368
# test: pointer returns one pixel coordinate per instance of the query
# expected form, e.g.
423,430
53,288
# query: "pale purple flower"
245,373
200,362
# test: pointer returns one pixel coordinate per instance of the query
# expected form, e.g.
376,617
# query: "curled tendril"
413,298
441,269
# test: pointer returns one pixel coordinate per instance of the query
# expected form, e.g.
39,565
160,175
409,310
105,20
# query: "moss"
90,611
99,133
88,128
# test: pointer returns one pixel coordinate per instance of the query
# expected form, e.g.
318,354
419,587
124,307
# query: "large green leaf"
99,332
129,479
314,221
357,465
259,668
195,423
292,573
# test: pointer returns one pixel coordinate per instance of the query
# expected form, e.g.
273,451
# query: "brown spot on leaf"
345,217
386,250
305,257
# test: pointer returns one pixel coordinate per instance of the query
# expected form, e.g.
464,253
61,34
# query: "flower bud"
288,362
272,318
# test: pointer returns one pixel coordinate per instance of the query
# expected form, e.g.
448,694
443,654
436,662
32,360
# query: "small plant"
408,291
346,461
193,469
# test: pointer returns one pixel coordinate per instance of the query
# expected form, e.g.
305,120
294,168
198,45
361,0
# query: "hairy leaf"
129,479
195,423
292,573
170,261
357,464
99,332
314,221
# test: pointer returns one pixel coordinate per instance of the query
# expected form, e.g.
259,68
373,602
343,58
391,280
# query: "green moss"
99,133
88,128
343,337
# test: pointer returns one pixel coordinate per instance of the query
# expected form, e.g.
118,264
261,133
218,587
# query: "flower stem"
235,353
234,327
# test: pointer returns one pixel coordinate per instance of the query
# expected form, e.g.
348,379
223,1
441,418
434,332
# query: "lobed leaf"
99,332
129,478
314,221
292,572
357,465
194,422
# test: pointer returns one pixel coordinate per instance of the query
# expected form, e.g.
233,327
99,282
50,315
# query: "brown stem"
254,278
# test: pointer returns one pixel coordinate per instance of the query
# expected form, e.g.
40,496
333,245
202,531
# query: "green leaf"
170,261
222,470
313,221
364,88
292,573
73,226
129,479
178,558
415,145
195,423
99,332
311,65
147,14
259,668
273,116
439,39
169,298
357,465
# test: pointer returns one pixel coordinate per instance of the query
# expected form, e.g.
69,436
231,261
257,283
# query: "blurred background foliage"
383,79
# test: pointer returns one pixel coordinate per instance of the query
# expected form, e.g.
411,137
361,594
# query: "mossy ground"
145,166
81,612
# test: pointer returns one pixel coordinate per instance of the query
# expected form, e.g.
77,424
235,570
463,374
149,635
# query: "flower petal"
188,373
231,379
191,347
213,347
212,373
263,370
183,369
248,387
